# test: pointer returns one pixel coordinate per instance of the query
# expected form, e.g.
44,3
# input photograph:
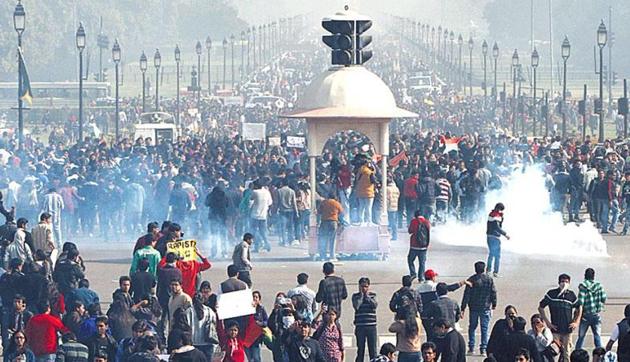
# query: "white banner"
296,141
253,131
235,304
274,141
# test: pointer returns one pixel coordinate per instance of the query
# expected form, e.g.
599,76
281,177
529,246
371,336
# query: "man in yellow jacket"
364,190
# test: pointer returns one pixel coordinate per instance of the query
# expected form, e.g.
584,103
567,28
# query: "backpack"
422,235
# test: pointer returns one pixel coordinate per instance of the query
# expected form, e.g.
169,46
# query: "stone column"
312,163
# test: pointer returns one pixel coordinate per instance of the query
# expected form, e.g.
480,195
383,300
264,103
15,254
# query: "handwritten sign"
186,249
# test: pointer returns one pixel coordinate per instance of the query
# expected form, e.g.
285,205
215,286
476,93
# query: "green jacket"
152,255
591,297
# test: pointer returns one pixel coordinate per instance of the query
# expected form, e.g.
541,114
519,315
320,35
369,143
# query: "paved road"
524,279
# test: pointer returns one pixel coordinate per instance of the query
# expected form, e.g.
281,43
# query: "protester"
407,332
329,335
494,231
41,333
500,331
17,349
591,298
303,289
332,289
386,353
102,343
329,211
71,351
300,346
451,345
241,259
482,300
420,230
365,304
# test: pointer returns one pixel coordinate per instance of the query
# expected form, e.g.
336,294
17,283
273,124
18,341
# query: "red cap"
430,274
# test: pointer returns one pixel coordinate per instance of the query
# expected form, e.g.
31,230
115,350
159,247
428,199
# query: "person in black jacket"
300,346
518,340
68,272
576,175
443,308
142,281
500,331
102,342
187,353
451,346
404,296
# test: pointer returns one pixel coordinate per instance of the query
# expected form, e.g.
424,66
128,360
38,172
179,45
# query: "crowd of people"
217,186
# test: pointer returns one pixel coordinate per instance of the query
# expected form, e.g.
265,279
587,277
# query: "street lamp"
254,46
232,56
116,59
157,61
484,51
433,46
602,38
242,55
249,33
198,50
80,40
566,53
178,58
143,69
208,48
19,24
225,43
451,63
535,62
460,43
444,54
495,55
514,68
471,45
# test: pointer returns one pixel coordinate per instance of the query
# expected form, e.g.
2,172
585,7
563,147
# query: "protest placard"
296,141
186,249
253,131
235,304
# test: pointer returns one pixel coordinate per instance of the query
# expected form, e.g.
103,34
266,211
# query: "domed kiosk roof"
348,92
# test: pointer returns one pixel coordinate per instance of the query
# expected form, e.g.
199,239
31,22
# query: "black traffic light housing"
347,42
582,108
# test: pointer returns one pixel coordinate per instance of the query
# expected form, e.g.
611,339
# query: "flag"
396,159
450,144
25,86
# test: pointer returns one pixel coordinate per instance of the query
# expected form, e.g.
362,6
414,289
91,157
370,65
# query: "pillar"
312,163
384,147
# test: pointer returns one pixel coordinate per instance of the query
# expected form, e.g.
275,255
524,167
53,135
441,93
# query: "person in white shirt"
53,204
259,204
305,291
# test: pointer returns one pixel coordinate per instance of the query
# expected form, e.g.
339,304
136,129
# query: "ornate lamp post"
116,59
157,62
80,40
143,69
602,39
566,53
178,58
535,62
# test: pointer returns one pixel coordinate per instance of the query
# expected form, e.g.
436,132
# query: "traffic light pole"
584,116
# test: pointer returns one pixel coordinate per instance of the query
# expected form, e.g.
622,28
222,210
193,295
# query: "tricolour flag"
451,144
25,85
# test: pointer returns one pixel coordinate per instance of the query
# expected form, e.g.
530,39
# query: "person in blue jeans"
494,231
420,237
481,297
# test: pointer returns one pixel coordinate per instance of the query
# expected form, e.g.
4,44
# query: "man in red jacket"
41,333
420,232
190,269
410,194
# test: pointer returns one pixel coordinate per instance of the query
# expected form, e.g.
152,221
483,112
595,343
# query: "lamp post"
433,47
254,46
225,42
232,62
602,38
484,51
157,61
249,32
19,24
451,63
143,69
242,56
439,37
444,54
198,50
566,53
178,58
208,49
495,55
514,68
460,43
80,39
471,45
116,59
535,62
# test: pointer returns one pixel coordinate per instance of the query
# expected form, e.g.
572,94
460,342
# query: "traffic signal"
347,42
104,75
615,78
96,76
611,39
598,105
340,41
582,108
622,106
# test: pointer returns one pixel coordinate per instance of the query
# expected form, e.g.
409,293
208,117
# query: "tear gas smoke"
529,220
